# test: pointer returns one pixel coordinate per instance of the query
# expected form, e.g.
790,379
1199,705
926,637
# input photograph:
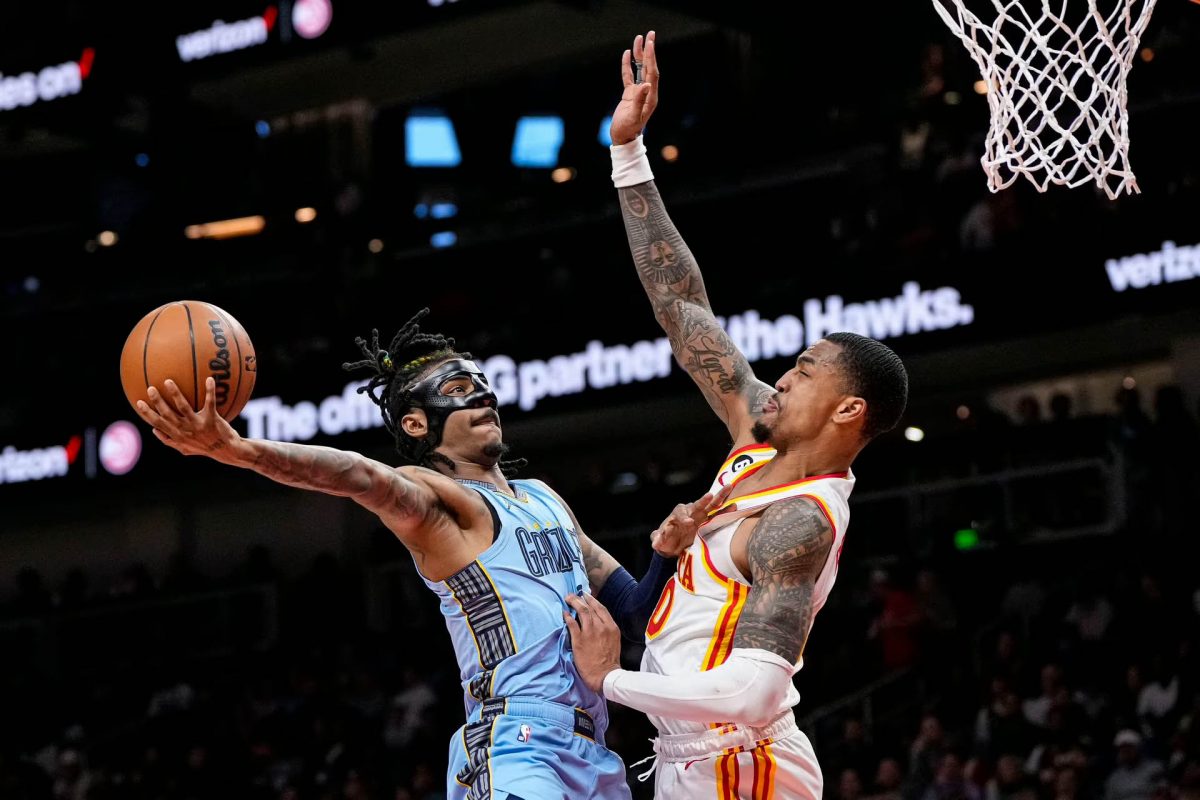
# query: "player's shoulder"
445,488
801,516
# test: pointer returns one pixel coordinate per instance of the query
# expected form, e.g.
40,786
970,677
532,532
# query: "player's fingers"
210,394
160,405
177,400
579,603
148,414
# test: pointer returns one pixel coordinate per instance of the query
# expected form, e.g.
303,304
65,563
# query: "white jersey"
692,627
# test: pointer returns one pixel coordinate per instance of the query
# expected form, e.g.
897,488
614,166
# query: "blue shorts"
535,750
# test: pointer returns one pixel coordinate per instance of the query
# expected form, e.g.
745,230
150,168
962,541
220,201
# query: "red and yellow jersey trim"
774,490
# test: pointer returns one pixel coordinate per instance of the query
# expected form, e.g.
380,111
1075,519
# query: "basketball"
187,341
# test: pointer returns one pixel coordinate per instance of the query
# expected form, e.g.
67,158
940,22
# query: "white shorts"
733,762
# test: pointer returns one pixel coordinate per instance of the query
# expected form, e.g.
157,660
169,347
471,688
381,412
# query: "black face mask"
427,395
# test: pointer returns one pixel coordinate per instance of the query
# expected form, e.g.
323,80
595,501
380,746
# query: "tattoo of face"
636,203
787,552
662,264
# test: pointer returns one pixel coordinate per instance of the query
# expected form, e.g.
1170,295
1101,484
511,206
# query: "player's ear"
415,423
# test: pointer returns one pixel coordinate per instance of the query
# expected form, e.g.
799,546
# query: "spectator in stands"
896,623
938,623
1158,698
1000,726
1009,781
1134,777
410,710
849,785
1023,603
926,752
854,752
1037,709
1066,784
73,780
950,783
889,781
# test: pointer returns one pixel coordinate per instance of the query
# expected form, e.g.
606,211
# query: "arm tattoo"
598,563
787,551
676,290
336,472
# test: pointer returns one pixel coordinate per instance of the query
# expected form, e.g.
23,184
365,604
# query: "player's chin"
494,449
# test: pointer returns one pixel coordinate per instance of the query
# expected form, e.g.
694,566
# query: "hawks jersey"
692,627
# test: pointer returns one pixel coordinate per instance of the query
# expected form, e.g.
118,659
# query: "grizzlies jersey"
504,609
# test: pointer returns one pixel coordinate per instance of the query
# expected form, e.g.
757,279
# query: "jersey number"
658,619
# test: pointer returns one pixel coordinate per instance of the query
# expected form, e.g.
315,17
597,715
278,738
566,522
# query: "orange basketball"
187,341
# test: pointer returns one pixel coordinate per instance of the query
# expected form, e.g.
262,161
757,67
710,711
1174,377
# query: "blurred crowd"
1026,671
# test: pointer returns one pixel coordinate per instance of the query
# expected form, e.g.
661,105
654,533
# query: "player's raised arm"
665,265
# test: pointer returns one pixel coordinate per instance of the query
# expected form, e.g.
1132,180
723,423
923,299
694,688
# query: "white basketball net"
1056,87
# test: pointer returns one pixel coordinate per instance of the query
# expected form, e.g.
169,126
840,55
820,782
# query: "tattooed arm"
667,269
787,551
402,503
673,283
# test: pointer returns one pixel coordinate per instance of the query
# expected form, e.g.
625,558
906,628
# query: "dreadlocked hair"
394,370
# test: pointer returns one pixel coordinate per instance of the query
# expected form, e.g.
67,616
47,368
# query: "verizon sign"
600,366
307,19
1170,264
226,37
19,466
45,84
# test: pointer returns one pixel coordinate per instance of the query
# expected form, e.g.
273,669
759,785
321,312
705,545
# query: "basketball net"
1056,88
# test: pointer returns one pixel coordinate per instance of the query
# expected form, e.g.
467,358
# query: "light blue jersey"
504,613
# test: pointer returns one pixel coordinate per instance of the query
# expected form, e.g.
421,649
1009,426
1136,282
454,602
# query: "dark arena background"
1015,615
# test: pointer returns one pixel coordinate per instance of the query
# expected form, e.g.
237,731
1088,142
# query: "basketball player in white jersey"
728,633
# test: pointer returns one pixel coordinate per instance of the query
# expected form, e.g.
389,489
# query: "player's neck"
470,471
798,464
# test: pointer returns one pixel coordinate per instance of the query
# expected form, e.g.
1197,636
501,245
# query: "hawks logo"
740,463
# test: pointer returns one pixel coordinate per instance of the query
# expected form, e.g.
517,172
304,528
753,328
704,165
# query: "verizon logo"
226,37
48,83
1171,264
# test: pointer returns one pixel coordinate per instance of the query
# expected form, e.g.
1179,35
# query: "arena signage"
600,366
46,84
226,37
20,466
1170,264
308,19
117,450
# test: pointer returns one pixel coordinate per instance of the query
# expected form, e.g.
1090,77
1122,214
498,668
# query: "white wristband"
630,165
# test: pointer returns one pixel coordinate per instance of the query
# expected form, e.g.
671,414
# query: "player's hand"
595,640
678,531
639,99
193,433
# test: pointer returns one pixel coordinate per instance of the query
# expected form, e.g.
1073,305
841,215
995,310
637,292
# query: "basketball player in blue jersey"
728,634
502,556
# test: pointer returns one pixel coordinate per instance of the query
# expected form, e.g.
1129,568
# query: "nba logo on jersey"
525,734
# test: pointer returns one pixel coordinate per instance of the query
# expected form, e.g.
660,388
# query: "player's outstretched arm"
665,265
399,501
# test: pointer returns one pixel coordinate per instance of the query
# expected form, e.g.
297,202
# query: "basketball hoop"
1055,85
